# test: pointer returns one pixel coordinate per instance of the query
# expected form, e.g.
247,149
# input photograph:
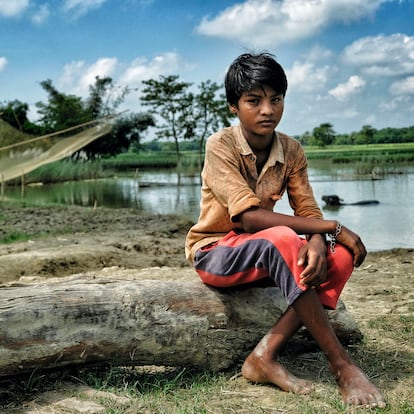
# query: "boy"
239,239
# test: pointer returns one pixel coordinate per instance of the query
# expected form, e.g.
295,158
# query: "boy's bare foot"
256,369
357,389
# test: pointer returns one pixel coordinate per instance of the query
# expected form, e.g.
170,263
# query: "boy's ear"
233,108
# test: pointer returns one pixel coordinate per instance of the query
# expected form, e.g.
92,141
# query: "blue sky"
348,62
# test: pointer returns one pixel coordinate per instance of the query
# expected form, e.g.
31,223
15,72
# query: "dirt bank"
63,241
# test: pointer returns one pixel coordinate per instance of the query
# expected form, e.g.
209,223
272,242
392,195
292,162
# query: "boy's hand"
354,243
313,257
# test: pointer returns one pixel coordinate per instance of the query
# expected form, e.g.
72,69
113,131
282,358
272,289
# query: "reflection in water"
384,226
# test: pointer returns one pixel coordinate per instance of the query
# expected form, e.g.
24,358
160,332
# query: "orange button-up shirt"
232,185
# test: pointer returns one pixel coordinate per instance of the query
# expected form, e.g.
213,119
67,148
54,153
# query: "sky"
348,62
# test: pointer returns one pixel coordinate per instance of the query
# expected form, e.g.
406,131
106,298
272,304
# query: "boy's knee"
282,232
341,261
282,235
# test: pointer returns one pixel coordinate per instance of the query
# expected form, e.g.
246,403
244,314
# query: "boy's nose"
266,108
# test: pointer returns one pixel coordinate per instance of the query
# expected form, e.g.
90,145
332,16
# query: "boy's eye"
277,99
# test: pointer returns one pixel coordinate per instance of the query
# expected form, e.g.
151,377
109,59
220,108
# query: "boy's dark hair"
249,72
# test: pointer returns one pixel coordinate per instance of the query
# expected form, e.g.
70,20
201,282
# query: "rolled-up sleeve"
223,175
300,192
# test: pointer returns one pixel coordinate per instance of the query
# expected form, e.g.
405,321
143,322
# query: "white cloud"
78,76
81,7
382,55
318,53
12,8
41,14
143,69
394,103
266,23
403,86
306,77
345,90
3,63
348,113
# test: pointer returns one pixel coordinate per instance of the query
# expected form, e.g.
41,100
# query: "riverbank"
59,241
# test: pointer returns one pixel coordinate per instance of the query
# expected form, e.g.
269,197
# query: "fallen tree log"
139,318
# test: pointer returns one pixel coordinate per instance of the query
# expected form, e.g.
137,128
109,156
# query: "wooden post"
22,186
2,187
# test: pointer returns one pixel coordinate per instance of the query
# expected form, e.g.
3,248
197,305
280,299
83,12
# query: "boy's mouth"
266,122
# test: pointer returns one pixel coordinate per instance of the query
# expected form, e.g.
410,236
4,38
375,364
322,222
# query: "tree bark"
139,319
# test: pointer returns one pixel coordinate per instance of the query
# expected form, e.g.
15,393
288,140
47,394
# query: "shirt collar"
276,153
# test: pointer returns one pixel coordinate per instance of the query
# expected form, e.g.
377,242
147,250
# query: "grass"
403,324
165,390
66,170
359,152
14,237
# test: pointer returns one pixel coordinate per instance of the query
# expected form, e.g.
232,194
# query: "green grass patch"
151,160
381,153
14,237
131,161
66,170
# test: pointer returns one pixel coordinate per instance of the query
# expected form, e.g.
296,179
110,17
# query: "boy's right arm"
256,219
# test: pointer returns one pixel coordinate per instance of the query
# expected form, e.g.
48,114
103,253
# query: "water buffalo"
334,200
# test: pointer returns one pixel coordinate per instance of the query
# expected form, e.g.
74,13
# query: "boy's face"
259,112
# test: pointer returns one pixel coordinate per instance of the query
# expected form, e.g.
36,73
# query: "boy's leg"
260,365
354,385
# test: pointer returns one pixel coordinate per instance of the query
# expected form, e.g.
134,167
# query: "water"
384,226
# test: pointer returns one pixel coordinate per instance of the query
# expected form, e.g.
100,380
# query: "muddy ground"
61,241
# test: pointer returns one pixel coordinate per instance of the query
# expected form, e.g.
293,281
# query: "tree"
366,135
210,112
62,111
104,97
171,100
408,134
305,138
15,114
324,135
139,321
126,132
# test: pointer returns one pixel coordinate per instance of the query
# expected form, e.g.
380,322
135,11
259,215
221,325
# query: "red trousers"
271,253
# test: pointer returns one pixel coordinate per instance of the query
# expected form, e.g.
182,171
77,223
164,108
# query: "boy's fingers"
301,257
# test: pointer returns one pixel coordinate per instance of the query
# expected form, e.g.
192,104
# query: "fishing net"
20,158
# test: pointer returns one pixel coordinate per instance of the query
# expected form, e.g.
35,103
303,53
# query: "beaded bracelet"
334,235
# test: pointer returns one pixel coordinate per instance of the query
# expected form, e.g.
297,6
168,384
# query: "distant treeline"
324,135
375,136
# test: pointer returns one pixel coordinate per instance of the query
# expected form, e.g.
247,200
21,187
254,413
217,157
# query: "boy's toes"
370,401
